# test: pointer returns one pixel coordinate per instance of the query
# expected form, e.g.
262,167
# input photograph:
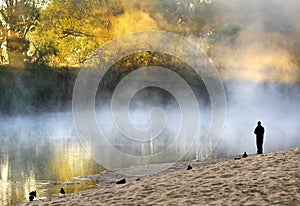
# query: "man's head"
258,123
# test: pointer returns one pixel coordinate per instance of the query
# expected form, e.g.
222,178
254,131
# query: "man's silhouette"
259,131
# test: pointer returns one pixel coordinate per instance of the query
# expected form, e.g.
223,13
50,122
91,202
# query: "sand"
268,179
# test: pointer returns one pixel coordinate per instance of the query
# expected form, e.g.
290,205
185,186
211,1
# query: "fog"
255,47
276,105
35,143
260,68
266,43
257,60
38,152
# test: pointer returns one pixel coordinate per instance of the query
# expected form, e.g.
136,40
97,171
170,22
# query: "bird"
122,181
62,191
189,167
32,193
31,197
179,21
245,155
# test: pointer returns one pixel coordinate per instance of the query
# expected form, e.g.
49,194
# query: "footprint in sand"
210,177
226,176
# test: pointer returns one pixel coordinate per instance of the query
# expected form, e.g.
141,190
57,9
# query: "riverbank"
268,179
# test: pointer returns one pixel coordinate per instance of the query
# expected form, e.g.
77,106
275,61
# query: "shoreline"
268,179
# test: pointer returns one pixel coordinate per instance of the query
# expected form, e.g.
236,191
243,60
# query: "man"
259,131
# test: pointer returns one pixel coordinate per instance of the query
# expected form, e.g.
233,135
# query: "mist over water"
254,46
39,152
38,147
260,68
276,105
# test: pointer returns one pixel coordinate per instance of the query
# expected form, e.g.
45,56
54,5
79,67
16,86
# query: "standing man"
259,131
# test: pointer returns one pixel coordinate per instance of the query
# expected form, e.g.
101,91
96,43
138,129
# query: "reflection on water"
41,153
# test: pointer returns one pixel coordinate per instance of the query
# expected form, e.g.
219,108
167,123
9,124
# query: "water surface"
41,153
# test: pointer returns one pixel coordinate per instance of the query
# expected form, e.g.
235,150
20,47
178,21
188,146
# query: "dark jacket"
259,131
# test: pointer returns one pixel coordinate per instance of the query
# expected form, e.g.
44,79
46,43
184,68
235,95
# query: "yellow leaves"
77,29
132,22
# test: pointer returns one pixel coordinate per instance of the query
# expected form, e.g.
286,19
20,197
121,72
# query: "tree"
71,30
18,18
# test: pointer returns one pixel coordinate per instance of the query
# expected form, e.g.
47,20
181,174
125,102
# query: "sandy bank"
268,179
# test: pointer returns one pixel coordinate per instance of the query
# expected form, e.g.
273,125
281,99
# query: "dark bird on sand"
189,167
31,197
245,155
62,191
122,181
32,193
